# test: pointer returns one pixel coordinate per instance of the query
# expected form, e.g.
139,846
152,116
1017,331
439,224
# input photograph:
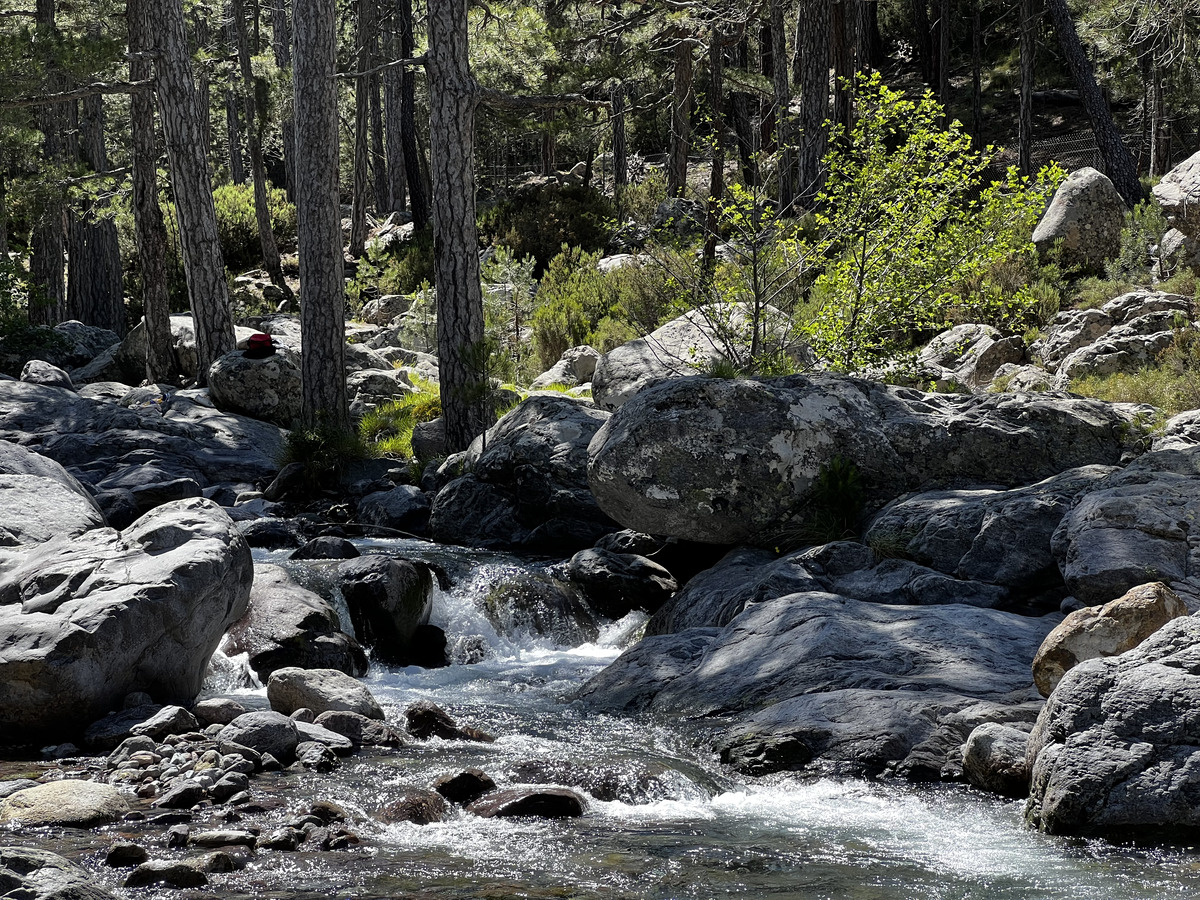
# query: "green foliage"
1144,228
543,216
909,218
324,450
399,268
388,428
1173,385
1093,292
237,226
508,287
639,202
19,340
832,508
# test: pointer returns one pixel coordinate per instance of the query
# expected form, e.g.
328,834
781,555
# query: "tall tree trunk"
281,45
1029,19
716,184
943,53
394,122
681,120
766,68
3,217
1118,161
362,162
1159,148
921,40
233,134
619,143
192,186
462,362
203,81
976,74
379,165
256,123
812,77
842,24
323,302
864,33
739,115
94,288
418,197
549,148
783,117
151,231
49,235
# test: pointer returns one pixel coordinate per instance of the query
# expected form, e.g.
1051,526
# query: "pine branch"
499,100
414,62
100,87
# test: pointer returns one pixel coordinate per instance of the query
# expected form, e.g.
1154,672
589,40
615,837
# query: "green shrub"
400,268
639,202
324,450
541,217
387,429
1173,385
237,227
1144,228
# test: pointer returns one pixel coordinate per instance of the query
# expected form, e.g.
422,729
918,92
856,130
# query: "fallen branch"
100,87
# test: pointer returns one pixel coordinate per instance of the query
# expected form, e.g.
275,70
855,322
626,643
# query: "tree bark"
1118,161
812,77
233,134
943,53
379,166
418,197
192,184
3,216
462,363
281,44
921,40
619,143
783,118
94,288
362,162
256,123
203,82
681,122
48,238
1028,16
842,24
323,304
151,231
394,122
716,184
976,74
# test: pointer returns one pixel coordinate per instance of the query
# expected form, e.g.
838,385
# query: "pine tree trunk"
256,123
681,122
362,112
783,117
192,185
1118,161
233,134
418,197
842,24
48,238
379,165
716,184
203,82
94,288
943,53
812,77
766,68
921,40
3,216
151,231
281,45
1028,14
323,303
619,143
462,364
393,126
976,74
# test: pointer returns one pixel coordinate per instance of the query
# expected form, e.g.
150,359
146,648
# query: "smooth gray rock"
729,461
264,731
404,508
615,584
576,366
369,388
67,803
266,388
338,743
1181,432
359,729
1134,527
320,690
528,486
1179,196
33,874
167,721
131,355
542,803
1086,216
37,371
1115,747
382,310
40,500
994,759
86,620
389,599
288,625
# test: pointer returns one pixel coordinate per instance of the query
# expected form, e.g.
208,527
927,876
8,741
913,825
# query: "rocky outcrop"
389,600
1106,630
288,625
39,500
1115,747
87,619
266,388
527,485
994,759
727,461
1086,216
969,355
1179,196
576,366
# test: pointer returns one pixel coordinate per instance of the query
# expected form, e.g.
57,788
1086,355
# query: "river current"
664,820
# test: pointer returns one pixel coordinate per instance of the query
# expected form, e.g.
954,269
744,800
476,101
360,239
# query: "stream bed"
664,819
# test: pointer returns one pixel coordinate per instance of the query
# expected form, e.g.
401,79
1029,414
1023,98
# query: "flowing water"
664,820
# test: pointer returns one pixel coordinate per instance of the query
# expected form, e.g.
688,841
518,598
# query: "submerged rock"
543,803
427,720
33,874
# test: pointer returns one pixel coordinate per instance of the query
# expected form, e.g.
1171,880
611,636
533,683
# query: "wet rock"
315,756
328,812
167,872
1083,222
389,599
544,803
267,732
229,785
271,534
467,786
327,548
627,783
339,744
404,508
84,620
125,854
168,720
8,788
320,690
287,625
416,806
286,839
223,839
185,795
615,584
230,859
359,729
67,803
687,457
994,760
178,836
540,605
33,874
427,720
116,727
1115,746
1107,630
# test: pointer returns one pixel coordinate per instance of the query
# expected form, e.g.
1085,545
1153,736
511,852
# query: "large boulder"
527,488
86,620
66,803
39,500
615,584
1115,748
321,690
288,625
264,731
730,461
266,388
969,355
1086,215
1106,630
404,508
131,355
576,366
816,676
1136,526
34,874
1179,196
684,346
389,600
